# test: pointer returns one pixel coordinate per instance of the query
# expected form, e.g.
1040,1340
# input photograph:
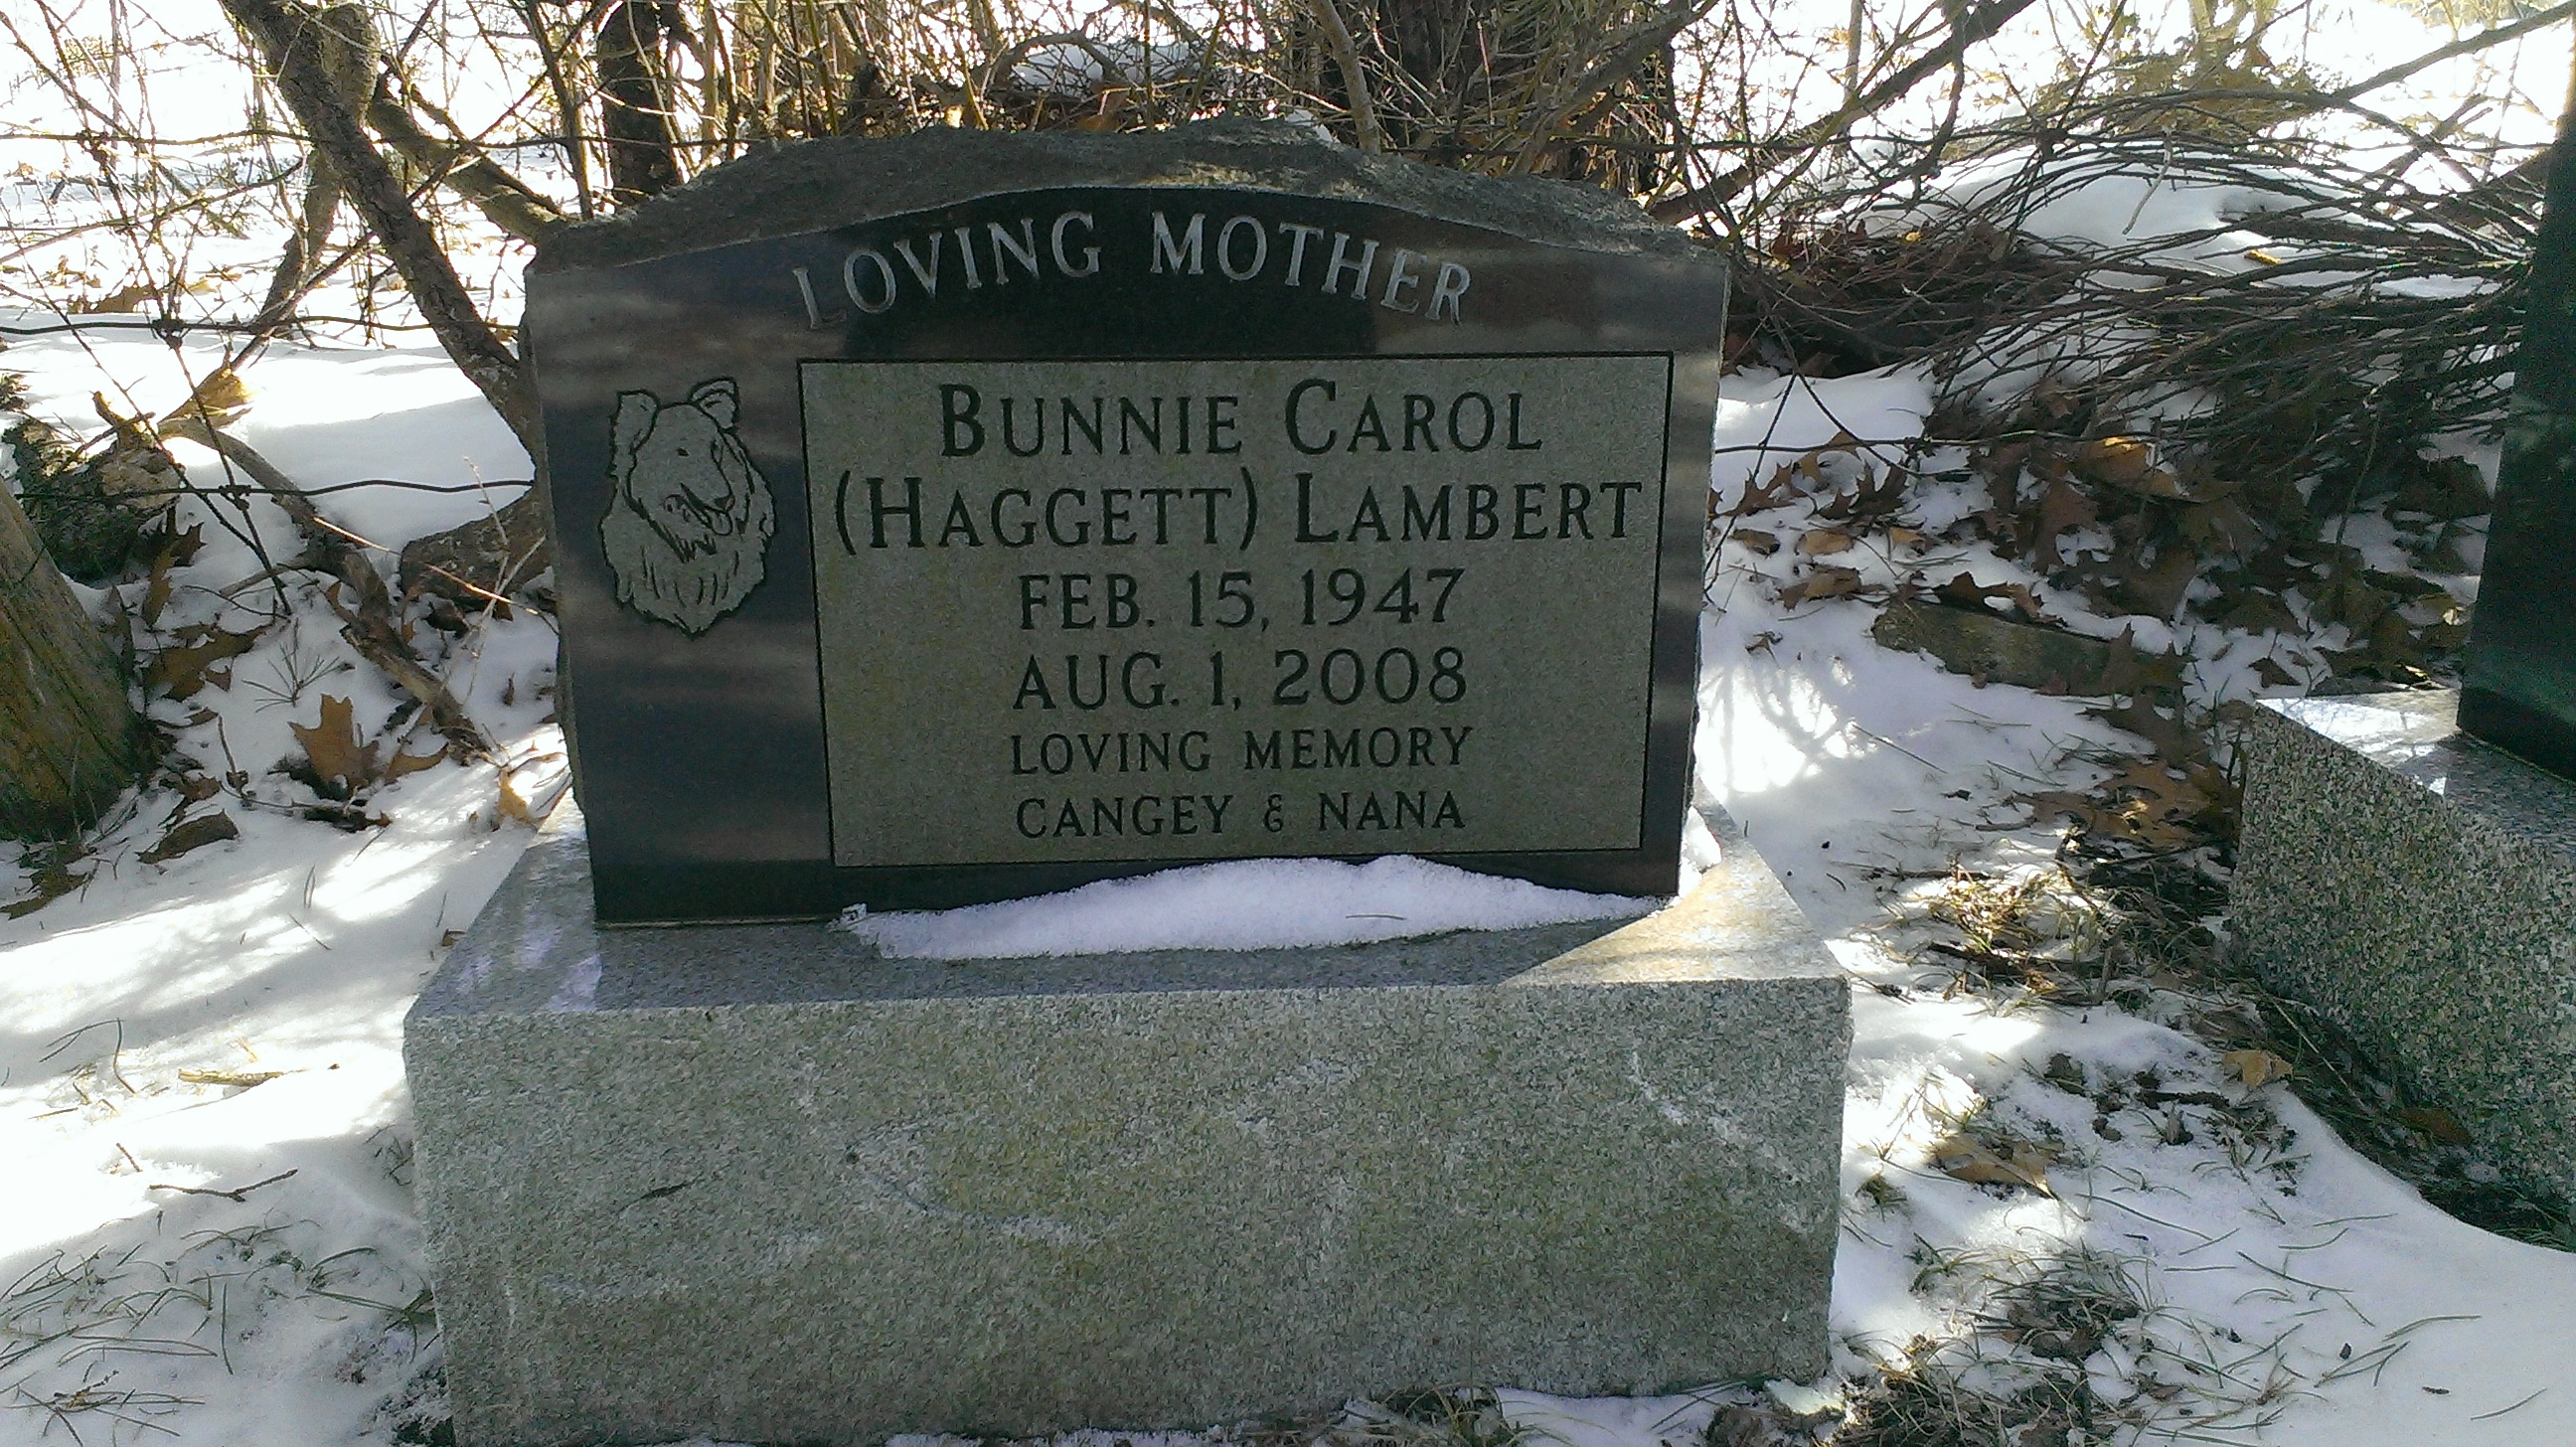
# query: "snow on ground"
231,1019
208,1233
209,1236
201,1095
356,413
2289,1252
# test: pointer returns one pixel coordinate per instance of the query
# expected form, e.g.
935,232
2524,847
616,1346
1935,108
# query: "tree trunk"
635,116
70,741
341,42
368,183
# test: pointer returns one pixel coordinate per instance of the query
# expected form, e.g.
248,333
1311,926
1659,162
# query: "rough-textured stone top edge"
536,950
2413,735
800,187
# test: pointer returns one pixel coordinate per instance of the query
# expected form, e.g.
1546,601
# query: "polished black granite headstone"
2519,674
967,516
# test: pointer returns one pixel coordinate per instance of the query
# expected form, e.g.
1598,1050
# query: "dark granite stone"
774,718
2519,672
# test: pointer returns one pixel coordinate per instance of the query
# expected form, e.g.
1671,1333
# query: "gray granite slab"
2419,888
754,1183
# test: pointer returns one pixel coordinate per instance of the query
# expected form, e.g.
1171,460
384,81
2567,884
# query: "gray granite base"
751,1182
2419,888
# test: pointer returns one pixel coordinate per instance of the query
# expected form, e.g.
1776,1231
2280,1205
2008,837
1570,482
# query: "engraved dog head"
689,526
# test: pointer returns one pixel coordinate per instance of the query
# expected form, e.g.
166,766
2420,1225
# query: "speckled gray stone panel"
2419,888
753,1183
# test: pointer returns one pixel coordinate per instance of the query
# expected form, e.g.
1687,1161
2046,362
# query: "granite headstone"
956,521
2407,863
2518,684
963,516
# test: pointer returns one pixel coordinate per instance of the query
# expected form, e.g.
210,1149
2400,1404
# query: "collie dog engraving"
689,526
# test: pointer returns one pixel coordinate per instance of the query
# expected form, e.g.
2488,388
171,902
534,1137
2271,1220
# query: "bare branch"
379,196
504,200
1972,27
2465,45
1355,80
1609,72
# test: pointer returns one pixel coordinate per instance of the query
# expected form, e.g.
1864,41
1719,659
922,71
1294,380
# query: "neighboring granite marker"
2399,867
967,516
2519,672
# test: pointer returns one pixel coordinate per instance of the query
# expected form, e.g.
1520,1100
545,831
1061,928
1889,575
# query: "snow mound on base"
1247,904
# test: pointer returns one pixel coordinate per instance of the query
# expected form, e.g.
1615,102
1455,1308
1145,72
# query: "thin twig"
239,1193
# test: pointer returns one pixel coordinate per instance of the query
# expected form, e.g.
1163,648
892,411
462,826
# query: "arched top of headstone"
808,186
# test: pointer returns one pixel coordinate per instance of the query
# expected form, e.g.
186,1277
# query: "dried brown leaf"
331,745
403,763
2164,731
513,805
156,592
2353,603
2223,526
122,300
2435,1123
184,547
2155,782
2062,505
2255,1067
1963,1157
190,835
2130,671
2258,610
1827,581
180,669
2126,463
220,399
2150,803
1964,591
2159,589
47,885
1763,496
1876,497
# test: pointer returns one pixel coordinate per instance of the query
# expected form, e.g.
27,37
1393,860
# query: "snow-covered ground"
208,1236
206,1231
2281,1257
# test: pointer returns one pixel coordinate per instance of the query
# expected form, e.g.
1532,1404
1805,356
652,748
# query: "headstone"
2418,888
2518,687
957,521
2408,860
966,516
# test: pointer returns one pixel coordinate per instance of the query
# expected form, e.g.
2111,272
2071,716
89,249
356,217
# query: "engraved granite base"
2419,888
749,1182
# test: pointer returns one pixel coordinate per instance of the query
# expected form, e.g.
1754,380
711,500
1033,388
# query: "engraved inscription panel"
1175,610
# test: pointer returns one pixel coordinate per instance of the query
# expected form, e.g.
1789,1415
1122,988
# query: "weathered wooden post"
69,738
